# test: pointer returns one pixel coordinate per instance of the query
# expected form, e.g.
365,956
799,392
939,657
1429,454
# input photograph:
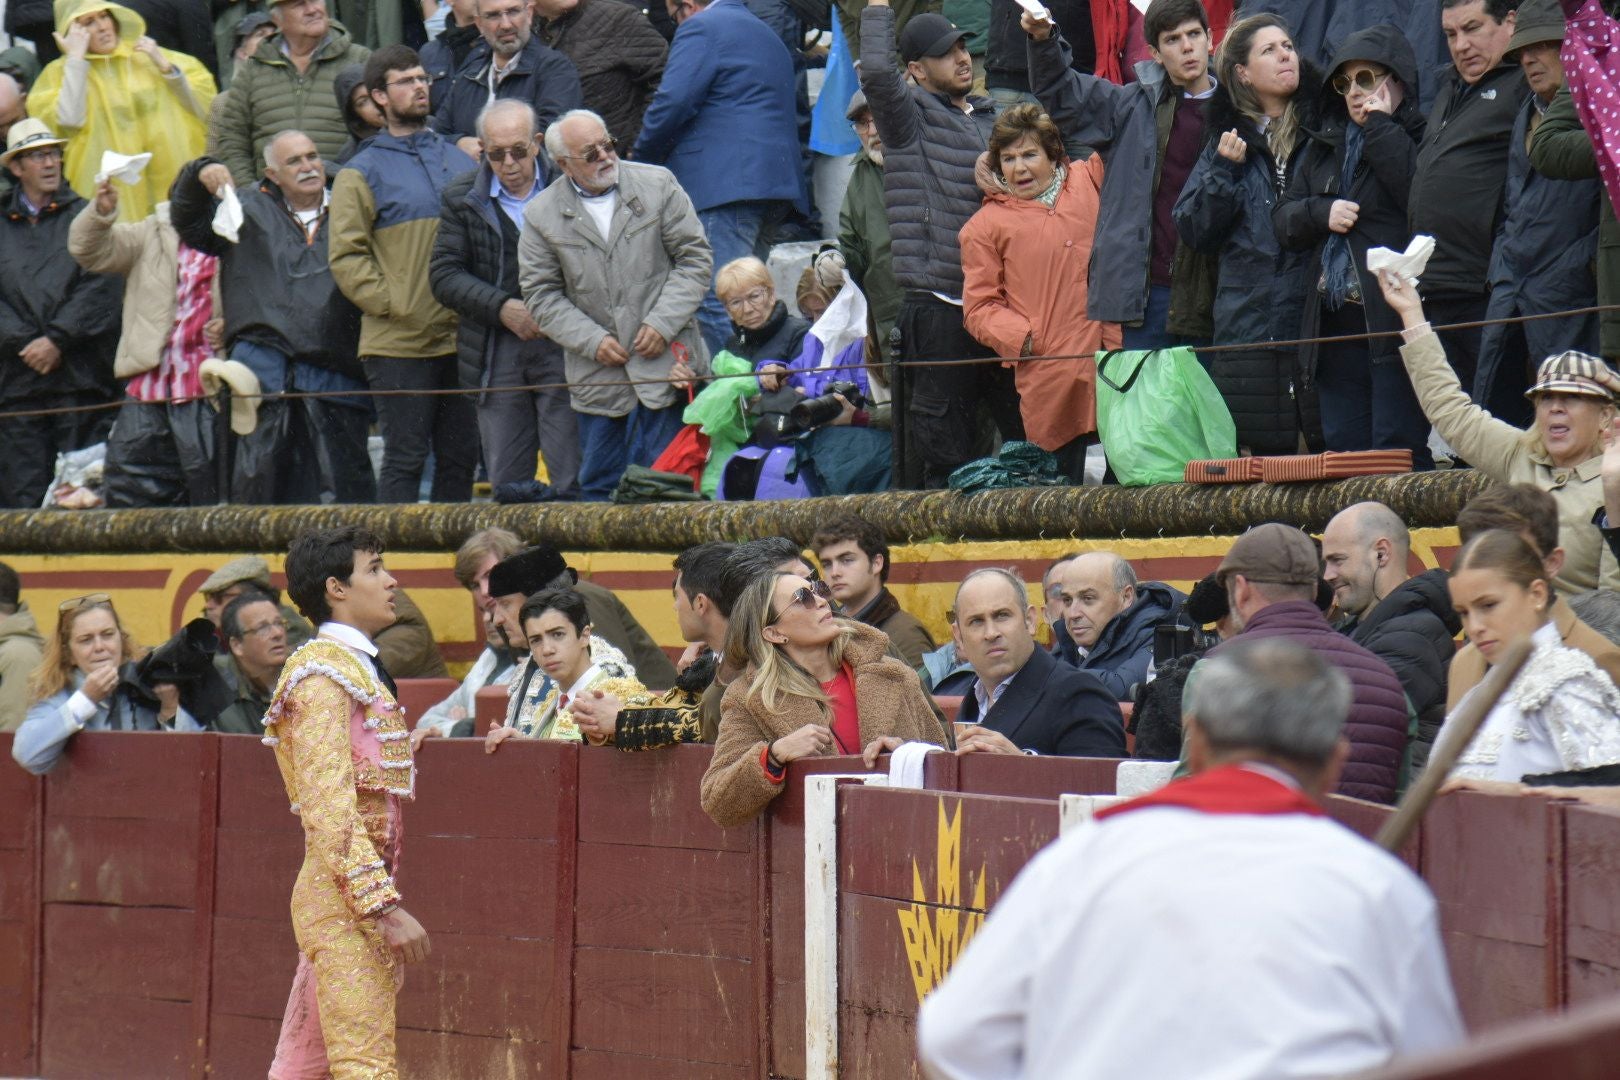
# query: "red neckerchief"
1229,789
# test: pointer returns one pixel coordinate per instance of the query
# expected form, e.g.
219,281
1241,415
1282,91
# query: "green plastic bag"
720,410
1158,410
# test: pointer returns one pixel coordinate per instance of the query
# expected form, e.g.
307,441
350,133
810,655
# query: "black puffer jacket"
276,283
780,338
1380,185
620,58
929,150
1414,631
1225,210
1006,59
44,293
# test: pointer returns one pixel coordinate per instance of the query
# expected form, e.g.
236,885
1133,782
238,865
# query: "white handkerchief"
1409,264
906,764
1036,9
125,167
228,217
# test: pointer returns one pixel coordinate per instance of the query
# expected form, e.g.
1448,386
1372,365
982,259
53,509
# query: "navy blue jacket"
1051,708
1125,647
723,120
543,77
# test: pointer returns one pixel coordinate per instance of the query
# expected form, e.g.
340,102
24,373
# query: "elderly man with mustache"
286,320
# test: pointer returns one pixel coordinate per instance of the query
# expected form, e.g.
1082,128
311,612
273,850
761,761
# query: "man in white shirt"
1281,944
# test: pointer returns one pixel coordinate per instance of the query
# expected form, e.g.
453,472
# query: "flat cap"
247,568
1275,553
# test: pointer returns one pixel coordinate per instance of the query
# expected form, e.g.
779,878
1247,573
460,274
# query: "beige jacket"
146,254
1510,455
21,648
888,697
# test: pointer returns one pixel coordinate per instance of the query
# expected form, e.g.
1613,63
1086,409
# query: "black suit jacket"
1052,708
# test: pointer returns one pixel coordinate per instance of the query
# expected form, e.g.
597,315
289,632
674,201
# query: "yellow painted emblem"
936,932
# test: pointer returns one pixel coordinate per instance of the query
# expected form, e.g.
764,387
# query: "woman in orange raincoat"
1024,263
115,89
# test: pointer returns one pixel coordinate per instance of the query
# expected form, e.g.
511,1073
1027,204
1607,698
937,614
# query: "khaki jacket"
888,697
146,254
21,648
654,268
1510,455
1468,666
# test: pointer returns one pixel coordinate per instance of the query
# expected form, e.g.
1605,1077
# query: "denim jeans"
734,231
610,444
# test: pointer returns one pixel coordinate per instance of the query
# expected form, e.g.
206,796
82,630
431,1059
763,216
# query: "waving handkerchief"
228,216
1409,264
125,167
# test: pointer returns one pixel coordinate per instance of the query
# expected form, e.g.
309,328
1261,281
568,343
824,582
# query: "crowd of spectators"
518,238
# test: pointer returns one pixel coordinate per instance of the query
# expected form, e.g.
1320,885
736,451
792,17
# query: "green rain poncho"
120,101
720,411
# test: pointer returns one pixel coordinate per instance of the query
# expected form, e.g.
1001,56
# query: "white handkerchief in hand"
228,216
1036,9
125,167
1408,264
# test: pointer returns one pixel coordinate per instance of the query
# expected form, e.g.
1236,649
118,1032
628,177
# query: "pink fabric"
301,1050
1592,69
176,376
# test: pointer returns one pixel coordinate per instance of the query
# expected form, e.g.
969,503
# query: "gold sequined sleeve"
314,733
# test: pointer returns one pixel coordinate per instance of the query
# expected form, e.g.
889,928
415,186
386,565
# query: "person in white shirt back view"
1281,944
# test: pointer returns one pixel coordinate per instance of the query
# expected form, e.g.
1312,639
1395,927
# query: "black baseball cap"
928,34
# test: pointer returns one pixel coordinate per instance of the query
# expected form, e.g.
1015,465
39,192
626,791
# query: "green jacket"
269,96
863,237
973,18
849,19
245,714
1562,150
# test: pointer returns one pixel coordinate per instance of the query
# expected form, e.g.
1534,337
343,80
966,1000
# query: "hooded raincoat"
120,101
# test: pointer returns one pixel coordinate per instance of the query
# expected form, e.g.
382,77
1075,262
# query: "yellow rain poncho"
120,101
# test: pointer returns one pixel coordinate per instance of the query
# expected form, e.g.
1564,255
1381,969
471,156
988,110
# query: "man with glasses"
58,322
723,120
13,107
510,64
613,265
287,83
474,272
863,231
384,219
256,635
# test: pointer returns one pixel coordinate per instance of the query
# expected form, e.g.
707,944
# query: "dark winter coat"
1462,166
1006,61
276,284
1542,262
1562,150
44,293
781,338
1225,210
930,148
181,25
443,56
620,58
1413,630
1124,649
1129,126
474,270
1380,186
343,87
542,77
1376,727
1317,26
1051,708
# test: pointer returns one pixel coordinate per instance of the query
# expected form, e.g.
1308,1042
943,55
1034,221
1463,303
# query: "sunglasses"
516,153
89,600
806,595
1364,80
592,154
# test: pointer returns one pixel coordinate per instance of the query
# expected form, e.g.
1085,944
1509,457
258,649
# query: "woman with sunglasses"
1347,195
812,685
86,682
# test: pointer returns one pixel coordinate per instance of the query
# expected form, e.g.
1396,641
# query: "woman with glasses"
86,682
1348,195
761,326
812,685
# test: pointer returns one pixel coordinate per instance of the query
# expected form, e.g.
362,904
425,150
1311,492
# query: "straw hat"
25,135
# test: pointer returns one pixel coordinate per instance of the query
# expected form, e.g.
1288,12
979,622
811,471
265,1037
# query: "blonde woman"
812,685
86,682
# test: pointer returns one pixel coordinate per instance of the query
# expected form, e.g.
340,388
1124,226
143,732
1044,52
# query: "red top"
846,721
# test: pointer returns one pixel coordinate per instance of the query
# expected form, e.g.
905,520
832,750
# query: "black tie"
387,679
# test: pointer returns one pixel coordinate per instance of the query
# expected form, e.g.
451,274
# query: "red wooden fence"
588,920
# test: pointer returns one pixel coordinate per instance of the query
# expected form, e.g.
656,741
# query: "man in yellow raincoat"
115,89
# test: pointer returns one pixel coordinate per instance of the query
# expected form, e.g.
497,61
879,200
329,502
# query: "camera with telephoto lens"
824,408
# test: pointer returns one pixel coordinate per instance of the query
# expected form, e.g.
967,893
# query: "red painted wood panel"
596,1065
886,838
1592,901
435,1054
21,799
665,900
255,871
253,967
17,867
241,1045
131,1038
517,791
691,1008
134,861
649,798
251,794
480,886
420,695
490,986
877,996
1366,818
146,775
118,951
489,708
1036,778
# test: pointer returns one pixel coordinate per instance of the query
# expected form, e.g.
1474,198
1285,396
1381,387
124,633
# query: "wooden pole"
1455,737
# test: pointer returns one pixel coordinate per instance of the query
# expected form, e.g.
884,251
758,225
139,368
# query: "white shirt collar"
583,683
1273,772
348,636
988,698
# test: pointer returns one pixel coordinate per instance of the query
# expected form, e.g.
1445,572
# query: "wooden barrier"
589,921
